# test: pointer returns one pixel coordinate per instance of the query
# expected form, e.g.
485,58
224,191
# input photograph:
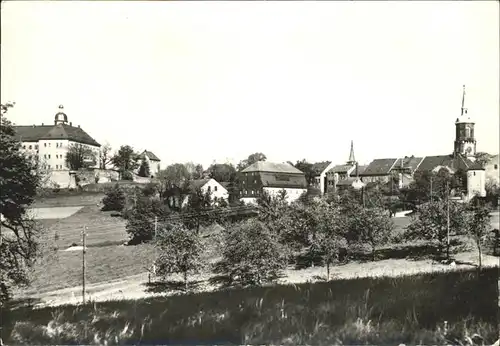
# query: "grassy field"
102,228
409,309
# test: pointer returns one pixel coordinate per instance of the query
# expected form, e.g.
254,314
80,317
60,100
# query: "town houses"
50,143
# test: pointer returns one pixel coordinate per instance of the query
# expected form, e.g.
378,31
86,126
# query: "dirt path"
134,287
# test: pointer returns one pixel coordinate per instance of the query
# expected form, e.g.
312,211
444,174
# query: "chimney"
78,126
70,123
33,125
42,124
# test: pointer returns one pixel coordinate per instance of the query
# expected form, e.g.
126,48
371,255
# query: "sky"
216,81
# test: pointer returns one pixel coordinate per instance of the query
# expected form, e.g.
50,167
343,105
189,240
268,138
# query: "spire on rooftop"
351,160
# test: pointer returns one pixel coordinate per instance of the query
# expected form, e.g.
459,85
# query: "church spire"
351,160
464,110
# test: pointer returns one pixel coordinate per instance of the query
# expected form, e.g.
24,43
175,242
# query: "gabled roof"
341,168
361,169
319,167
34,133
408,162
454,162
283,181
379,167
265,166
198,183
151,156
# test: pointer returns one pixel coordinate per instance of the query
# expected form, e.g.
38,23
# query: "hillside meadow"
438,308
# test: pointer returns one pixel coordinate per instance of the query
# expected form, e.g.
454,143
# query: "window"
45,144
474,173
215,188
24,147
496,166
209,189
36,146
44,156
49,156
30,147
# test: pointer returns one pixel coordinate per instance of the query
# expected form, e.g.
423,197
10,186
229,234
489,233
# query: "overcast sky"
220,80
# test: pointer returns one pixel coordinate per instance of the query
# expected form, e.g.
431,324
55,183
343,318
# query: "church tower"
465,142
61,117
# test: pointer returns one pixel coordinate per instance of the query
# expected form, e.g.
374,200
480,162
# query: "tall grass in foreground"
411,310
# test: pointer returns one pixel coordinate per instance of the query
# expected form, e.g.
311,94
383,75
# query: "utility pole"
83,263
447,220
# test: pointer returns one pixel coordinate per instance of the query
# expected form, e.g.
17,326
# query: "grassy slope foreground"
409,309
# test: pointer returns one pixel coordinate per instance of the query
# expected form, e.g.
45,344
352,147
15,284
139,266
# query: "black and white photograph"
250,173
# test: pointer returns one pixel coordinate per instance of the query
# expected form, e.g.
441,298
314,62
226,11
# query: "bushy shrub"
127,175
114,199
150,189
141,219
252,254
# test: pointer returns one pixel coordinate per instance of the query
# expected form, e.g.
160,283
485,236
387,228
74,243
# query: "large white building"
271,178
50,143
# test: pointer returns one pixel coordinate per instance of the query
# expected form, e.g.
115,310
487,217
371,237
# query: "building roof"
341,168
151,156
379,167
361,168
278,180
319,167
34,133
265,166
454,162
198,183
411,162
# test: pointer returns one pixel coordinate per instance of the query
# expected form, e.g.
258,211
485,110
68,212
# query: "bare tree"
105,156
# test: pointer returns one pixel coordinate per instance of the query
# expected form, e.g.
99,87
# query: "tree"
126,160
180,251
252,254
141,218
195,171
174,184
80,156
114,199
479,226
19,180
328,237
375,227
144,170
431,221
104,156
199,205
252,158
307,168
482,158
221,171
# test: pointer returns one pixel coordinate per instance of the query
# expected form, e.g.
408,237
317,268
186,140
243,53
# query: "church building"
462,158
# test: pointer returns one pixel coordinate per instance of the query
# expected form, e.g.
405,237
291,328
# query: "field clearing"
386,310
52,212
103,264
74,199
102,228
